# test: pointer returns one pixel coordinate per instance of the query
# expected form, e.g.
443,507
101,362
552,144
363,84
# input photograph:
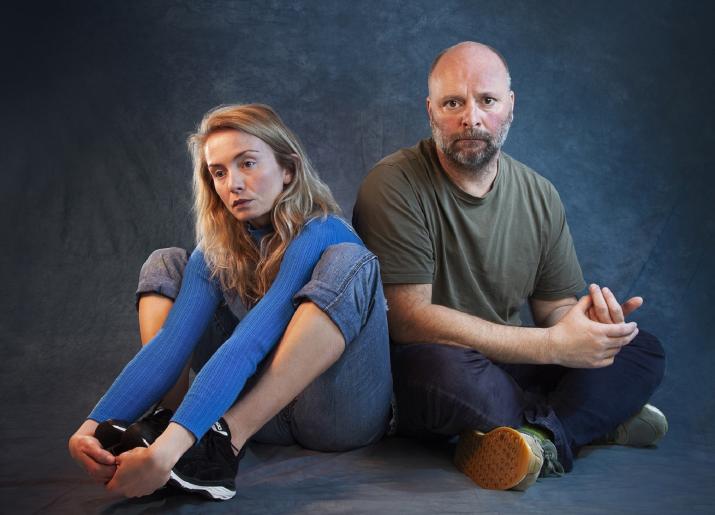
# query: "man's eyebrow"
235,157
452,96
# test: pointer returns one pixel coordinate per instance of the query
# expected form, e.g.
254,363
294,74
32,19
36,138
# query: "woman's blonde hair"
243,267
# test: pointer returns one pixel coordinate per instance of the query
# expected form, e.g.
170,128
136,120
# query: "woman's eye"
218,174
249,164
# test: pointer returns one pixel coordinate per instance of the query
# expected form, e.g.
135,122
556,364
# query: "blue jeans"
347,406
443,390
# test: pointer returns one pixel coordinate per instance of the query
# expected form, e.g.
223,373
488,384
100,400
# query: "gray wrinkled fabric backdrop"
612,105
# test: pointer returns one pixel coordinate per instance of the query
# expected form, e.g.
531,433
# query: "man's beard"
471,158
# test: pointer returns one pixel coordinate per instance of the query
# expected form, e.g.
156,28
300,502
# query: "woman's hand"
139,472
86,450
143,470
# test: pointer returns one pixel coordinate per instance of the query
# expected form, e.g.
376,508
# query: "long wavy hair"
243,267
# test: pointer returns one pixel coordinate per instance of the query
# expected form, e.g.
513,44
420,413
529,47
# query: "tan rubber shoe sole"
501,459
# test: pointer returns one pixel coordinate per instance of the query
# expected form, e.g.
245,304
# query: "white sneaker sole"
219,493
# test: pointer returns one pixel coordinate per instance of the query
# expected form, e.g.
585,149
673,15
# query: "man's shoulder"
404,168
407,160
527,177
405,155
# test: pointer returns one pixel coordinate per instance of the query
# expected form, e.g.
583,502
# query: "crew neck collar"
257,233
459,192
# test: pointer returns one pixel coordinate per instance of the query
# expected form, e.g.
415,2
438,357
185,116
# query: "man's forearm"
433,323
556,315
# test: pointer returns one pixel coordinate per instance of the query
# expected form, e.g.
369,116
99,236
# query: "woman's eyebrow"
236,156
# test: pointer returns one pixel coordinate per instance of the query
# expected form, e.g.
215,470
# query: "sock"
540,433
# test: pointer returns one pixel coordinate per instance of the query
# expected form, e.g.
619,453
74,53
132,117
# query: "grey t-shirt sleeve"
560,274
388,216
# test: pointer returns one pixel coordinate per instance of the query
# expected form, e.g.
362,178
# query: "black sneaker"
110,433
210,467
145,431
118,436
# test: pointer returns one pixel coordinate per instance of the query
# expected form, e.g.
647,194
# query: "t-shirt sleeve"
389,217
560,274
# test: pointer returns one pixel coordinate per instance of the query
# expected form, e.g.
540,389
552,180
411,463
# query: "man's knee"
162,272
445,389
650,355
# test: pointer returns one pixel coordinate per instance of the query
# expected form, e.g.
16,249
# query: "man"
464,234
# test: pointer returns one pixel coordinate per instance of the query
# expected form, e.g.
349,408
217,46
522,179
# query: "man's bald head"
469,53
470,106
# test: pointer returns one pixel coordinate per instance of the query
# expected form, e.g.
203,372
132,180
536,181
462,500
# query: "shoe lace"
551,467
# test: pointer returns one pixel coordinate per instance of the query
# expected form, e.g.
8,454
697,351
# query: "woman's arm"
156,367
216,388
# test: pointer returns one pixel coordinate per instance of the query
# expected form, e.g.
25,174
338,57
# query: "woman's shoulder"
329,226
330,222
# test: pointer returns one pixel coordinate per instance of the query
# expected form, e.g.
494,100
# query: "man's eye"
489,101
451,104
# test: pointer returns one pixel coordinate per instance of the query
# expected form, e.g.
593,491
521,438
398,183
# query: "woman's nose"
236,180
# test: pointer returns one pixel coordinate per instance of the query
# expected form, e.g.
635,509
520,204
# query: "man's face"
470,106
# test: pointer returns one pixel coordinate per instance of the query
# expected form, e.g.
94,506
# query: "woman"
268,236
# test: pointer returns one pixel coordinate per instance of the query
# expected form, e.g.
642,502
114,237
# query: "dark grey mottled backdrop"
613,104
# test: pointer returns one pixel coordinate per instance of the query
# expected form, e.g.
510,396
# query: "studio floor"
394,476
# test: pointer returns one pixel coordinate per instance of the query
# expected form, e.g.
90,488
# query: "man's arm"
547,313
575,341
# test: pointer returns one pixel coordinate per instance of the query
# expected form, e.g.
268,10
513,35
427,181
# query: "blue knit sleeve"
154,370
223,377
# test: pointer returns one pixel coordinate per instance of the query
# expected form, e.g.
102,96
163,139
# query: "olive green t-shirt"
483,256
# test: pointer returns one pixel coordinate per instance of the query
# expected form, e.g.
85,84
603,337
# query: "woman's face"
246,175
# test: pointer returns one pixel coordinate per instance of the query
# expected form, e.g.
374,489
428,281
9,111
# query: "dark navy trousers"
444,390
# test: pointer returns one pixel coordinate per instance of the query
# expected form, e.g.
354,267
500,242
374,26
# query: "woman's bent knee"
162,272
346,285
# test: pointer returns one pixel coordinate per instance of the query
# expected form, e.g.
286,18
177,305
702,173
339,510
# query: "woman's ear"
289,173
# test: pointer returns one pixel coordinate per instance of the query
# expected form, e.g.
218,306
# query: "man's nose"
472,116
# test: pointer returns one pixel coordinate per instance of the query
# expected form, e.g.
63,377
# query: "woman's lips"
240,202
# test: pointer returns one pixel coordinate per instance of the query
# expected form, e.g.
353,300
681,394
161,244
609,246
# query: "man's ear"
429,111
513,99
